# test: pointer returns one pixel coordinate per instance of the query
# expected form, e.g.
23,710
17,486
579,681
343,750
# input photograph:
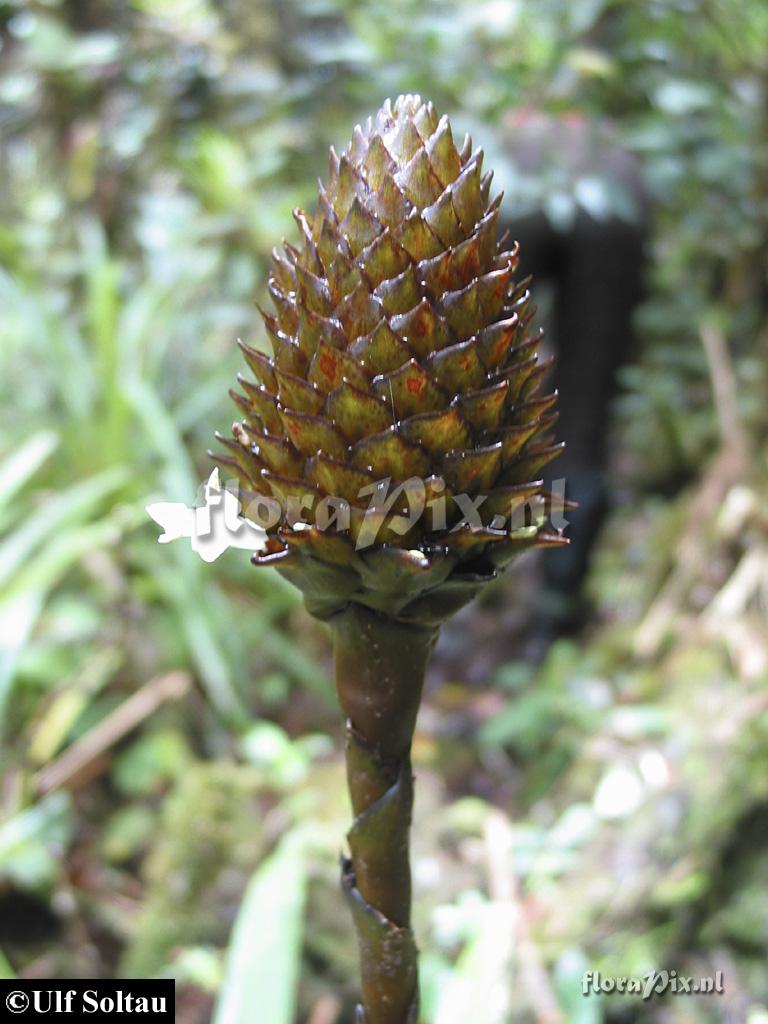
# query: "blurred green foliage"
151,155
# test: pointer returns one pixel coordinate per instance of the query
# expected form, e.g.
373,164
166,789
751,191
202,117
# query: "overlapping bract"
400,350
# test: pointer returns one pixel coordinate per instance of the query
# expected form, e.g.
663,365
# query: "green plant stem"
380,665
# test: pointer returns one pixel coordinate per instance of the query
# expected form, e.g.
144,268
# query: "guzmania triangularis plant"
399,428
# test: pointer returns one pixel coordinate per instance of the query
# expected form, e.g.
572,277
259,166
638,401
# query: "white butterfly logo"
212,527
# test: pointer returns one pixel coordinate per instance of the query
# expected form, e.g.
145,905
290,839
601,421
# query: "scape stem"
380,665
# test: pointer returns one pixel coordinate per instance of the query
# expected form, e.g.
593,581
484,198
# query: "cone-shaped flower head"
398,425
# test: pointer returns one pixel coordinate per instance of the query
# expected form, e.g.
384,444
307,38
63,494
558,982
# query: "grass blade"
6,971
73,505
478,987
265,950
32,823
19,467
21,607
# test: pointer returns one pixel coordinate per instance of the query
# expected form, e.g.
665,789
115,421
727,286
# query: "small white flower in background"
654,769
212,527
619,793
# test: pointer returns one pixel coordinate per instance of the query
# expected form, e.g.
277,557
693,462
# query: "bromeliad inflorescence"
402,375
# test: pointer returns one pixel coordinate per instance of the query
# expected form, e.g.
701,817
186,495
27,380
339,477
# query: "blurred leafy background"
172,795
